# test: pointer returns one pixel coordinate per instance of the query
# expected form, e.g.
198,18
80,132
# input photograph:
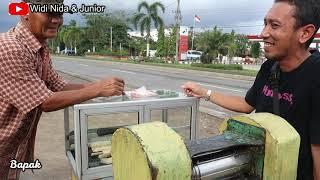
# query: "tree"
215,44
62,36
119,32
54,43
136,45
255,50
95,34
72,22
58,40
241,42
98,30
161,46
72,37
144,20
170,42
211,43
231,45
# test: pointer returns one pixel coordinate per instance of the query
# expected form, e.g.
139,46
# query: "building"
314,44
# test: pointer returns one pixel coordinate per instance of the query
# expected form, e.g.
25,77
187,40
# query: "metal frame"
84,138
142,107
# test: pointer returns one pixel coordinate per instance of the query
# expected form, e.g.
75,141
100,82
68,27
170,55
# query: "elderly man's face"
279,34
45,25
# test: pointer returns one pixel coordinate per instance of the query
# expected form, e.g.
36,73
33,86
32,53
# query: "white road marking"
129,72
219,87
84,65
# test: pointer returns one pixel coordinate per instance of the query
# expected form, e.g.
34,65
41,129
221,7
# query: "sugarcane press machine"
255,146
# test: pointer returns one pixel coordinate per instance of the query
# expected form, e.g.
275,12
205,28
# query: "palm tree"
210,42
215,43
72,36
144,20
54,44
62,34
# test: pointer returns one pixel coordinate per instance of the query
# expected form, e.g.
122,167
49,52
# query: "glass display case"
89,126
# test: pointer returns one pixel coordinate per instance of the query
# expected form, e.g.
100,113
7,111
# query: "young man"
29,85
290,26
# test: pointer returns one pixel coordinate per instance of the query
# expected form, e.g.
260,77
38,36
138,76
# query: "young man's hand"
233,103
193,89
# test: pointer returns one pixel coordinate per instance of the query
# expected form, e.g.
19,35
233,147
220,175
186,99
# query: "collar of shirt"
28,38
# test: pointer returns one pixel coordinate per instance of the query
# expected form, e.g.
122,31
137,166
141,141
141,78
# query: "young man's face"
45,25
279,34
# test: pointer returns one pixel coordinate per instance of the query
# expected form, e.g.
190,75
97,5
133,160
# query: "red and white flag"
196,18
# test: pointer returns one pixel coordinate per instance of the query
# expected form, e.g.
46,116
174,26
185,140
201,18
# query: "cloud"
226,14
245,16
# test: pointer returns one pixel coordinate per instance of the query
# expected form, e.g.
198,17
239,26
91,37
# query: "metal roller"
227,167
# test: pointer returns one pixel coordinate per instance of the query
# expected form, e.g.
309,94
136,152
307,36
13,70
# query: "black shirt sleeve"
251,96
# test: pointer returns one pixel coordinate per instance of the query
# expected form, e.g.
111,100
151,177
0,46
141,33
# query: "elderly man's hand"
109,87
193,89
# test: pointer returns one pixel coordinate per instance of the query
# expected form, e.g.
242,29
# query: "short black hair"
307,12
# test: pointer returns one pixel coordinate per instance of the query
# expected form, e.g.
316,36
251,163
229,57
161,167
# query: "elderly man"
290,26
29,85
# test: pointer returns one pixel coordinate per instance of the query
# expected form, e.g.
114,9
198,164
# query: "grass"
243,72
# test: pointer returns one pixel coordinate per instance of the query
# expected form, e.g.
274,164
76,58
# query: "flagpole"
194,26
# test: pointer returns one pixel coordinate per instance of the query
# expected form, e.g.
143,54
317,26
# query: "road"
157,78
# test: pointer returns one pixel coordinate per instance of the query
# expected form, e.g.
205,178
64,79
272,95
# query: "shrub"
149,60
109,53
154,60
220,66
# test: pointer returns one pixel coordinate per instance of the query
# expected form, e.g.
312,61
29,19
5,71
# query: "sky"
244,16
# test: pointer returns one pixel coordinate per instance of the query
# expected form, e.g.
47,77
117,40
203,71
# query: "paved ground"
50,143
50,147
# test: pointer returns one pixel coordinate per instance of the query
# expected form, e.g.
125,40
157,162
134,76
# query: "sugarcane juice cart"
89,126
